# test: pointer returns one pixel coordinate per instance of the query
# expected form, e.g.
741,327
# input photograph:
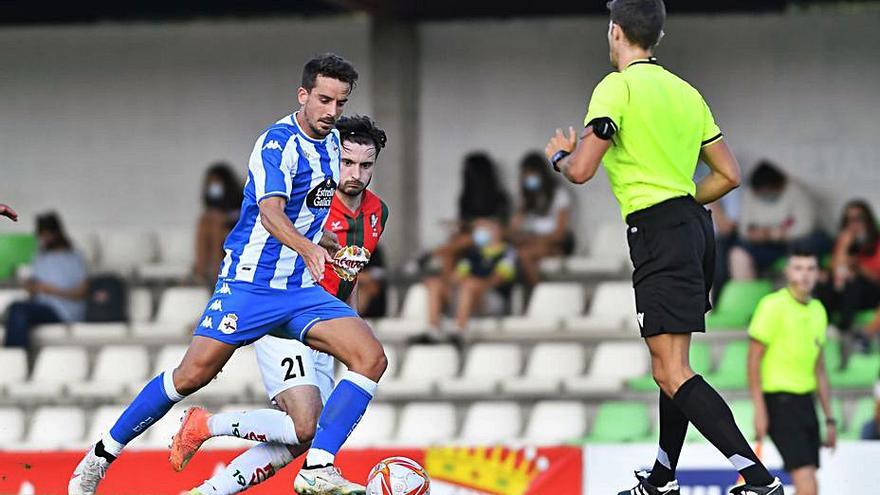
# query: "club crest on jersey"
374,219
349,261
321,196
229,323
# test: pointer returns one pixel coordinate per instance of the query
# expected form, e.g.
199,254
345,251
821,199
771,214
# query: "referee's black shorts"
672,248
794,428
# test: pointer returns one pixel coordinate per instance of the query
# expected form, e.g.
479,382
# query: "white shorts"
287,363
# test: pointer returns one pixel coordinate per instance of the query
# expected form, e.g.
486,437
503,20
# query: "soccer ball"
398,476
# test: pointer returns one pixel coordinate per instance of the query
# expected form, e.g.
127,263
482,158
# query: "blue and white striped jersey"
285,162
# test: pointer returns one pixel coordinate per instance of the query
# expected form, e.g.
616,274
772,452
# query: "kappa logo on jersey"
216,305
641,318
207,322
272,145
229,323
224,289
322,195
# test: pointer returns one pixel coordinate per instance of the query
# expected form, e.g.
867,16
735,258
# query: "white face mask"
532,182
215,190
482,236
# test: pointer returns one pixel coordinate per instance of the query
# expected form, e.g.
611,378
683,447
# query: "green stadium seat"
15,250
833,358
863,318
836,410
864,411
618,421
861,372
737,302
701,362
744,414
731,373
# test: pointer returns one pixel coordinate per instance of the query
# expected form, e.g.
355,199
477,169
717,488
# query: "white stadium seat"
549,304
426,423
176,252
168,358
423,366
122,249
51,334
14,363
86,244
102,420
57,428
486,365
413,317
54,368
489,423
375,428
608,253
98,333
612,364
119,370
9,296
159,435
11,426
178,314
613,308
555,422
140,305
548,365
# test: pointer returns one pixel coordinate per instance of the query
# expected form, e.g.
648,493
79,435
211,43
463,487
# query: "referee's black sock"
673,428
711,415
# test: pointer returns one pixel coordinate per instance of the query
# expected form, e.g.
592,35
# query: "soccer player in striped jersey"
298,379
269,284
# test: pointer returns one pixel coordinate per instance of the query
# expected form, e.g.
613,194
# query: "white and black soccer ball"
398,476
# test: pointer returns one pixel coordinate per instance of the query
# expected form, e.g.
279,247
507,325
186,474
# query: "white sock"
112,447
253,466
319,457
262,425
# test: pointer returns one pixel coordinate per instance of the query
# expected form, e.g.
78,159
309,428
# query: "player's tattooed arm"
278,224
583,156
330,242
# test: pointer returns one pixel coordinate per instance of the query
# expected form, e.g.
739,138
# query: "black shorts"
794,428
672,248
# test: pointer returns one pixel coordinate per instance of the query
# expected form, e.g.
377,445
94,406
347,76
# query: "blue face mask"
482,237
531,182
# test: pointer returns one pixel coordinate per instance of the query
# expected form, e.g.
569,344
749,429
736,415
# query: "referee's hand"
561,142
830,436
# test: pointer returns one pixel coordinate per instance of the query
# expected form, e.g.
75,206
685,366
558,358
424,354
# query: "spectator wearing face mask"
481,282
776,215
221,199
540,227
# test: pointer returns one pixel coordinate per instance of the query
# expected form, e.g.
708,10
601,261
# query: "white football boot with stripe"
645,488
88,473
327,480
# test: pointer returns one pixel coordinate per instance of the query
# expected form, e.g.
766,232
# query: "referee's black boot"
645,488
774,488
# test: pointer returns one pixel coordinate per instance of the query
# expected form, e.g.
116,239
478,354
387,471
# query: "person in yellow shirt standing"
649,127
786,371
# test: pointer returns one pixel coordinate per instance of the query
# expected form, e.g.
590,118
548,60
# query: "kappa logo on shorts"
224,289
207,322
216,305
229,323
641,318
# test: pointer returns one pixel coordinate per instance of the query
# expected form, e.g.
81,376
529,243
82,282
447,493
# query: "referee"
650,128
786,370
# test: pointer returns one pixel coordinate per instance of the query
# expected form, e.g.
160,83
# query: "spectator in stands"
786,371
541,225
57,287
482,278
372,289
221,198
854,279
8,212
482,196
776,215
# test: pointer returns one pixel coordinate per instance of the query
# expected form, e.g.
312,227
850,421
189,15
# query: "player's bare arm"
278,224
724,175
583,157
330,242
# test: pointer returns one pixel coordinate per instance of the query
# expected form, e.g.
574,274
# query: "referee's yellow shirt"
662,122
794,334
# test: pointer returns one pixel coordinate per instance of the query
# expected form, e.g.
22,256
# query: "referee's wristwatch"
557,157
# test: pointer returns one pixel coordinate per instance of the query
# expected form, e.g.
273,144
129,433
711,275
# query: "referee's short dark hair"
641,20
362,130
800,250
328,65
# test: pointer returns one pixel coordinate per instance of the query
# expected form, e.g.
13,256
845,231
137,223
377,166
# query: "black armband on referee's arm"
557,157
603,127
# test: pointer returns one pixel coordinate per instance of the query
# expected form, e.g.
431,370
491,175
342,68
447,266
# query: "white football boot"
88,473
326,480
